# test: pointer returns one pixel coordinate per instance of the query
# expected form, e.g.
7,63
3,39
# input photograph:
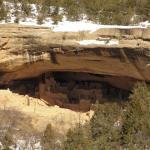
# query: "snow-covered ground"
96,42
67,26
64,25
30,144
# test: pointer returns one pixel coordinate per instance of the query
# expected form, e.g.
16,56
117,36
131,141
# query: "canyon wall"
27,51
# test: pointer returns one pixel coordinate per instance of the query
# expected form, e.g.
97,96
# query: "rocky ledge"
28,52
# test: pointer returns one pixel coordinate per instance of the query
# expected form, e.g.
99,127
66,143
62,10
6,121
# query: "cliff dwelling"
57,68
73,90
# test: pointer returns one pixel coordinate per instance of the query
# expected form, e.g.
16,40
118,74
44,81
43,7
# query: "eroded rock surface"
61,119
29,52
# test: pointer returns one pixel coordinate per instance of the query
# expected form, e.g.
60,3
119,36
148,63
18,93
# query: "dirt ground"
60,118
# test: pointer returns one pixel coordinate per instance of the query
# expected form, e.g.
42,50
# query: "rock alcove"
73,90
55,67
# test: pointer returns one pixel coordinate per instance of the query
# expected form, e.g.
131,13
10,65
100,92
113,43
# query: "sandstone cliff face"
134,33
27,52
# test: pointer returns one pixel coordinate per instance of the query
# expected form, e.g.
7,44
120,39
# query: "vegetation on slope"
100,11
113,126
116,127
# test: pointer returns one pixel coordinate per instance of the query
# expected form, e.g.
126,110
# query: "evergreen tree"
7,140
25,8
42,9
55,14
105,127
48,139
16,13
143,9
77,140
136,125
73,9
3,11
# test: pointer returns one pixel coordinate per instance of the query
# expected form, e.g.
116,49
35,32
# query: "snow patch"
29,144
145,24
77,26
117,124
33,22
68,26
96,42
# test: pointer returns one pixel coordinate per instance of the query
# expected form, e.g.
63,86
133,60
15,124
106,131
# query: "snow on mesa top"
77,26
64,25
68,26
